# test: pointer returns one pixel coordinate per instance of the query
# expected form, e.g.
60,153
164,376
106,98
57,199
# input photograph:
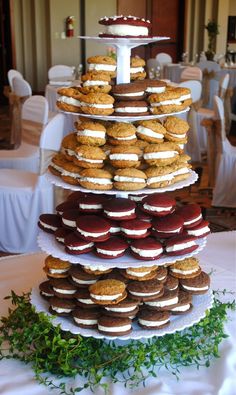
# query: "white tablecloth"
22,272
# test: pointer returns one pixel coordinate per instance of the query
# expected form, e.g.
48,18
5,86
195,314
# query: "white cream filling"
85,321
177,102
142,294
69,100
156,89
198,232
46,294
131,109
128,179
149,132
166,177
195,288
168,231
80,157
123,328
121,309
57,271
85,206
93,234
105,297
100,181
94,105
69,152
126,30
137,274
79,281
130,94
152,323
98,267
47,226
91,133
155,208
147,253
181,308
125,138
193,220
114,229
110,253
65,291
134,70
181,146
71,224
177,136
60,239
60,309
181,246
160,155
181,171
190,271
70,174
80,248
56,167
86,301
185,97
163,303
119,213
133,157
94,82
100,67
134,232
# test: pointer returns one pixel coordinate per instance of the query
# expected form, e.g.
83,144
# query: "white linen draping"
22,272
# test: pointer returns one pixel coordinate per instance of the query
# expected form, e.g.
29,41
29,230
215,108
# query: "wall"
232,12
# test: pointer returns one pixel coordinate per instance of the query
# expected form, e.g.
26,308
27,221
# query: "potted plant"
212,28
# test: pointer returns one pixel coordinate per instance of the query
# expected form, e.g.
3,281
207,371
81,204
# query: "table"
24,271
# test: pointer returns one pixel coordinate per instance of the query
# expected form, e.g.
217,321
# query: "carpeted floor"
221,219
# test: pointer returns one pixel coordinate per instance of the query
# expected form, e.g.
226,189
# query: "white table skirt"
21,272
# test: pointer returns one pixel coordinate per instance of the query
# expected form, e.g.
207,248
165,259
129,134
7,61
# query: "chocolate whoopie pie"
75,245
150,319
200,230
93,228
184,304
146,249
158,204
180,245
155,86
161,274
169,298
131,108
126,308
112,248
145,290
49,222
135,228
63,288
61,307
46,290
141,273
84,300
171,283
80,278
119,209
191,214
168,226
129,91
86,318
114,326
106,292
197,285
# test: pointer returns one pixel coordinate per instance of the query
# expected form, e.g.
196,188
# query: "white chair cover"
163,59
21,87
11,74
34,115
25,195
60,70
224,192
210,81
191,73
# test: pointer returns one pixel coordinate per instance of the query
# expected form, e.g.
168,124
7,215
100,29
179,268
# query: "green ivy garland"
31,338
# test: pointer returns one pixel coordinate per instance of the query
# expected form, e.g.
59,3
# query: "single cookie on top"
90,132
101,63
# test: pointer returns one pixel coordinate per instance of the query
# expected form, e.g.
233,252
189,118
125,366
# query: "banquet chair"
191,73
34,117
224,191
192,147
163,59
210,81
151,66
11,74
25,195
60,70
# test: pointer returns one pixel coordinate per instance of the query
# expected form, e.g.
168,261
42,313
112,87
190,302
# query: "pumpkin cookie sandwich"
176,130
95,82
69,99
96,179
140,273
181,168
71,173
89,157
129,91
137,71
121,133
159,176
151,131
187,268
57,163
107,292
161,154
56,268
131,108
89,132
104,64
166,102
68,146
185,95
129,179
97,104
125,156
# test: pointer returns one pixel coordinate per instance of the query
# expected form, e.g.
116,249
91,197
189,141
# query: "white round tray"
201,303
118,118
125,41
48,244
178,185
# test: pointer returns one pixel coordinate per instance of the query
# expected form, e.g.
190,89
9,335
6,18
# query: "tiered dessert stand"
48,244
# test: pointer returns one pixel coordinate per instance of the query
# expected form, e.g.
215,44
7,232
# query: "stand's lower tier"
48,244
201,304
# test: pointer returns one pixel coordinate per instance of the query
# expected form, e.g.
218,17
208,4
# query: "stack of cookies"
112,300
111,227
